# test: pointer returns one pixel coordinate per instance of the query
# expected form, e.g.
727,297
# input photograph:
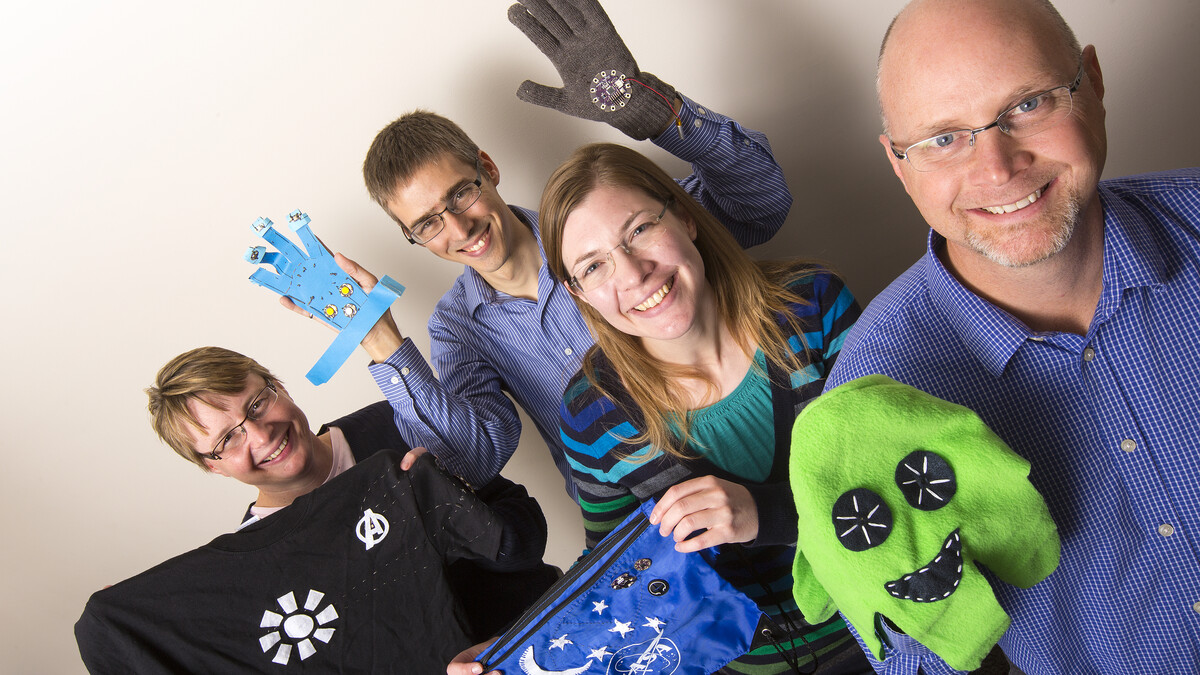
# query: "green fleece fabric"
866,475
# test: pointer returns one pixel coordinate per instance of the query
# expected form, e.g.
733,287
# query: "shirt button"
1196,607
1128,445
1166,530
1089,354
701,111
568,351
404,371
395,380
746,142
697,124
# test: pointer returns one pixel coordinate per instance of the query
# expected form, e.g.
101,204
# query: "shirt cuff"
402,372
776,514
701,131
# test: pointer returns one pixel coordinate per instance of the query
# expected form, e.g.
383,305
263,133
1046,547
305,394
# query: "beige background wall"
140,139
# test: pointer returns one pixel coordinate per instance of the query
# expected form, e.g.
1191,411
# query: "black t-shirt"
350,578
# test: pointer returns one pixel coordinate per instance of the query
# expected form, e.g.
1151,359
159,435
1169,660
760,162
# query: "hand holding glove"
601,80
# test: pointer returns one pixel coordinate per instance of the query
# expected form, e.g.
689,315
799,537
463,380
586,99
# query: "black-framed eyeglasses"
1031,116
235,438
591,273
424,232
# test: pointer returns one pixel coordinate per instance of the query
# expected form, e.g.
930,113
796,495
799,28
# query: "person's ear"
1091,65
488,167
215,467
893,159
572,291
689,224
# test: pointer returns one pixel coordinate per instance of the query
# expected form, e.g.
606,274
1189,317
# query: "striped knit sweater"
611,487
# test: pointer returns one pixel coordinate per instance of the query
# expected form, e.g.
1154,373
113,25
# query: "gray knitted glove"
595,66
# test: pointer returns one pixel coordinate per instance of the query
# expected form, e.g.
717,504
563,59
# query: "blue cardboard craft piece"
632,605
313,280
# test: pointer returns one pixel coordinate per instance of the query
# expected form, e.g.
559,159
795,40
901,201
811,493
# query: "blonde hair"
749,295
193,375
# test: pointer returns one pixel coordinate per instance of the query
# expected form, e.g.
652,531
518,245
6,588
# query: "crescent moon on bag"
530,667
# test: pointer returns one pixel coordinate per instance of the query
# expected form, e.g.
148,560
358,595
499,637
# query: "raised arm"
734,173
735,176
462,415
464,418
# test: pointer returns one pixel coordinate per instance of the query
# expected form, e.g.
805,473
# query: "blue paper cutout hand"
311,279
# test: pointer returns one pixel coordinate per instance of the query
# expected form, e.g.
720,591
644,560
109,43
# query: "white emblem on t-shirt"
297,627
372,528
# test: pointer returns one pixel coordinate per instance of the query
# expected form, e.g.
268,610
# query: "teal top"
737,433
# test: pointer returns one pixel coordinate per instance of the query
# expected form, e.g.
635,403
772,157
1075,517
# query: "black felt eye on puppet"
862,519
926,480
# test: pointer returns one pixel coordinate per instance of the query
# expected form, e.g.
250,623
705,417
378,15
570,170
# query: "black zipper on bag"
598,557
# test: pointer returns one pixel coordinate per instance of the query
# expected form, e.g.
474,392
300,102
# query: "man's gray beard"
1068,216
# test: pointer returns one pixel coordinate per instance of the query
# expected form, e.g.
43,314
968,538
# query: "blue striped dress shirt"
487,346
1110,422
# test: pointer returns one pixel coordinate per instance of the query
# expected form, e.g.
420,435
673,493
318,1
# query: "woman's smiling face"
655,293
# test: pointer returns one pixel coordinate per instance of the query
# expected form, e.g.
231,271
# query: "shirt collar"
990,333
1131,260
477,290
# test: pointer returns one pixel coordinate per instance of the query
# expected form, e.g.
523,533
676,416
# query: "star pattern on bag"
621,627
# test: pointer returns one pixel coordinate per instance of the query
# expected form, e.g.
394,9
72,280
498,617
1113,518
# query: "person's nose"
257,432
457,225
996,157
629,267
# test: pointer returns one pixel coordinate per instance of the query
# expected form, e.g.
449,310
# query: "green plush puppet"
899,496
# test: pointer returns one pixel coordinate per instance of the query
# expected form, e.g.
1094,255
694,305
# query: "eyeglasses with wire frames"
235,438
1031,116
466,196
591,273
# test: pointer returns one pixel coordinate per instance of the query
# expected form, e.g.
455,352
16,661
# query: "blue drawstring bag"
632,605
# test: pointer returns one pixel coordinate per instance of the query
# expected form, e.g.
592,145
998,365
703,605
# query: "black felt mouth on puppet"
936,580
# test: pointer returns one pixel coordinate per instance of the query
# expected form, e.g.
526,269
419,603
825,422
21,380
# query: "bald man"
1064,310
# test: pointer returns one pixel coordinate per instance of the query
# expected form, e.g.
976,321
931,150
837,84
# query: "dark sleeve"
369,430
495,589
776,513
500,528
522,524
98,645
494,594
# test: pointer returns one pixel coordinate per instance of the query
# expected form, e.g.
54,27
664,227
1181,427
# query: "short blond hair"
194,375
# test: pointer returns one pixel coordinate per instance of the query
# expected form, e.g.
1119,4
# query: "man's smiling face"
1013,202
481,236
278,449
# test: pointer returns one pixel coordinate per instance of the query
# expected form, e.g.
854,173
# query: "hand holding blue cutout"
312,280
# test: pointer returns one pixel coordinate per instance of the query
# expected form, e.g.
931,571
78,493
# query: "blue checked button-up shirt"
1110,422
487,346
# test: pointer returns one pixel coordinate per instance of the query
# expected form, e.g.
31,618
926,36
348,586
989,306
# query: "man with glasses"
505,328
1061,308
414,565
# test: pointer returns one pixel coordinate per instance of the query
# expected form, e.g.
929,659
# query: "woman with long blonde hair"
701,361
